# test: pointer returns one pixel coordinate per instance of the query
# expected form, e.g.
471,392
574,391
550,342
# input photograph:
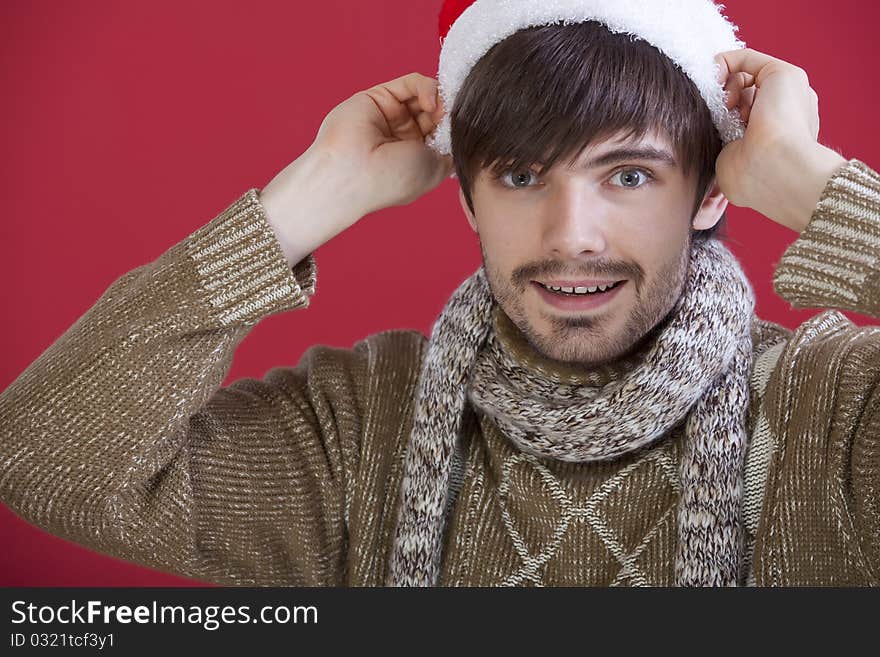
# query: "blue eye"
517,179
631,181
631,178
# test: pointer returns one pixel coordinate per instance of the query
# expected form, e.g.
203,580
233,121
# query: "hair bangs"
544,94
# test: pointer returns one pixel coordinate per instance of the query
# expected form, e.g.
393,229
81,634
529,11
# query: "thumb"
728,171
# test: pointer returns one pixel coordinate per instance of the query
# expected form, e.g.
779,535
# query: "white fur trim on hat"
689,32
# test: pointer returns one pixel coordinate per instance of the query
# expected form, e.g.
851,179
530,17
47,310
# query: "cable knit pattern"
120,437
702,354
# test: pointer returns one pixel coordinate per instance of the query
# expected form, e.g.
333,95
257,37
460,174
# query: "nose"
573,223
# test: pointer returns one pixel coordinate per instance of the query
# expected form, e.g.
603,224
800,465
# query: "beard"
591,340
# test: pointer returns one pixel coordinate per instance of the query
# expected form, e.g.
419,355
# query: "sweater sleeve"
835,261
119,437
821,514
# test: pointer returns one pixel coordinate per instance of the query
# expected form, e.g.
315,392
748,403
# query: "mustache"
597,269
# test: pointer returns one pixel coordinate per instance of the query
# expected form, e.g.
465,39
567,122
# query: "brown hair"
546,93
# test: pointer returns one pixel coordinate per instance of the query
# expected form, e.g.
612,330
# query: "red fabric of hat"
449,12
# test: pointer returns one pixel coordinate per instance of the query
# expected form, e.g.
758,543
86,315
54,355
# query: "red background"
127,126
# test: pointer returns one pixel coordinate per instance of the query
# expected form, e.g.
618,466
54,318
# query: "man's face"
611,218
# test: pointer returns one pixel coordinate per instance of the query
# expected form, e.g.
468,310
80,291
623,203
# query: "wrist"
308,203
799,177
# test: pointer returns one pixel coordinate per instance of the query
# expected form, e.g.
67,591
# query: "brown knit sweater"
119,436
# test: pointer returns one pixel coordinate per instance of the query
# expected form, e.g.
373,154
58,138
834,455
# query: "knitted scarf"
696,368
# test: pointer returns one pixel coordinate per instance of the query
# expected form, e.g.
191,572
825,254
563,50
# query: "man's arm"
117,437
835,262
820,520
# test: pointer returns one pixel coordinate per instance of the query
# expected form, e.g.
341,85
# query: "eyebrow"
624,153
650,153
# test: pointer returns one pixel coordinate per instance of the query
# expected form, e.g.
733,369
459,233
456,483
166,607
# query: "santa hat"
689,32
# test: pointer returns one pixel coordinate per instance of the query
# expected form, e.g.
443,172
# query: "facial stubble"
589,340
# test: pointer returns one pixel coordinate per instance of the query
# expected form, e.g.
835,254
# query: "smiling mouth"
580,291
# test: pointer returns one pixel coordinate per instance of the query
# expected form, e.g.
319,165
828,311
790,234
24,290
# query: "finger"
427,120
741,80
399,121
734,87
725,166
393,97
419,94
414,105
747,100
426,123
746,60
401,101
414,86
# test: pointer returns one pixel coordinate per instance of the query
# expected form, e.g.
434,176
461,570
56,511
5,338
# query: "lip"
586,282
572,303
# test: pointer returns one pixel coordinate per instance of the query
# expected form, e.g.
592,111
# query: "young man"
582,411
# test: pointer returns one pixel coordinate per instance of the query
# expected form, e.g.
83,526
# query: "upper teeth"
580,290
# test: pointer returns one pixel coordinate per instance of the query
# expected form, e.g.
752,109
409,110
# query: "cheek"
648,246
504,239
654,243
655,234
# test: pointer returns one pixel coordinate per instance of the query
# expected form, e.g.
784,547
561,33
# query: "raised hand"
778,168
369,154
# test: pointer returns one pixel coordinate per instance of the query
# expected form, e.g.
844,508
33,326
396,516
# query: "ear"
467,211
713,206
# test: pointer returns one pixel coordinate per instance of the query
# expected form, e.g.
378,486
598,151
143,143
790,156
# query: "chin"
574,344
577,354
589,339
